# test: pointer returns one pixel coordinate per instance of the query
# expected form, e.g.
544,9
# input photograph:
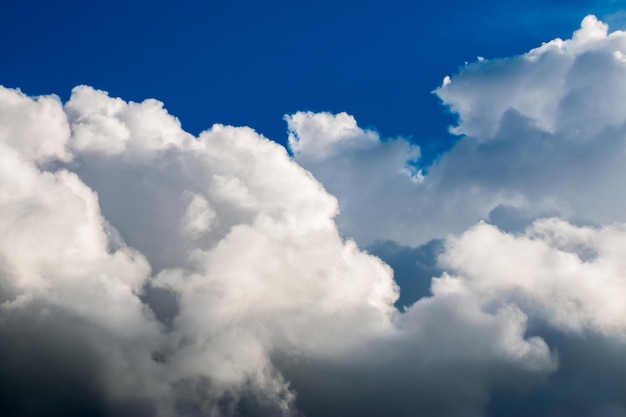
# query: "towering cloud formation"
144,271
240,234
542,136
119,205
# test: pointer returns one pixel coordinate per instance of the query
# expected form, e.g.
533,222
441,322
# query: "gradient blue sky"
249,63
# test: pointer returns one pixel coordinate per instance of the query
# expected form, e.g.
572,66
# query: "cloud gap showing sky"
146,271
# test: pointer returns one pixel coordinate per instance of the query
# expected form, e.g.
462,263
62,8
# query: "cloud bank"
147,272
542,135
540,162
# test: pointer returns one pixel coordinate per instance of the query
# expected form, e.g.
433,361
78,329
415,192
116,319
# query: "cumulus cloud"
541,135
569,281
570,276
149,272
145,271
240,234
320,135
64,285
368,175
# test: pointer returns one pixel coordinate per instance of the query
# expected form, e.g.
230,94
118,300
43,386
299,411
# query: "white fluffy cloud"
569,283
109,211
56,256
368,176
320,135
571,276
553,86
542,134
122,202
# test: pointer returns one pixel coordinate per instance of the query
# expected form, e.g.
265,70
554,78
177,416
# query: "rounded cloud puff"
207,275
541,134
268,303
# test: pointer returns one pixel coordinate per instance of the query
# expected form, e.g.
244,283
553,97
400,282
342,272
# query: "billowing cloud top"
541,135
144,271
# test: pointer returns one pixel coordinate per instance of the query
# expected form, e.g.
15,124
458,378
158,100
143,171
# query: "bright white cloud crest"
241,235
106,204
571,276
543,135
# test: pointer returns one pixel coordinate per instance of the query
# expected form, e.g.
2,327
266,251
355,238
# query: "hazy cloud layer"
144,271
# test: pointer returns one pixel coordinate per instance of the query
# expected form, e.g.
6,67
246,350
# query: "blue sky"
249,63
150,268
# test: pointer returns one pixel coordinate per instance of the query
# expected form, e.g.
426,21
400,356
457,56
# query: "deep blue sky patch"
249,63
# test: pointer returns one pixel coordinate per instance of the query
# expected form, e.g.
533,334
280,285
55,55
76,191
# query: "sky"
246,63
313,209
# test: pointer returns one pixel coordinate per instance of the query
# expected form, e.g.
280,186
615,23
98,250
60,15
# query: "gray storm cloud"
148,272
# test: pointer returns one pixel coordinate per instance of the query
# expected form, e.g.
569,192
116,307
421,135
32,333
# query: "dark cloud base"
589,382
49,368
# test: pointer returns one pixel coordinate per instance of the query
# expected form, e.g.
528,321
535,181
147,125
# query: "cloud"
320,135
571,276
528,203
368,175
568,280
145,271
541,135
148,272
66,291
